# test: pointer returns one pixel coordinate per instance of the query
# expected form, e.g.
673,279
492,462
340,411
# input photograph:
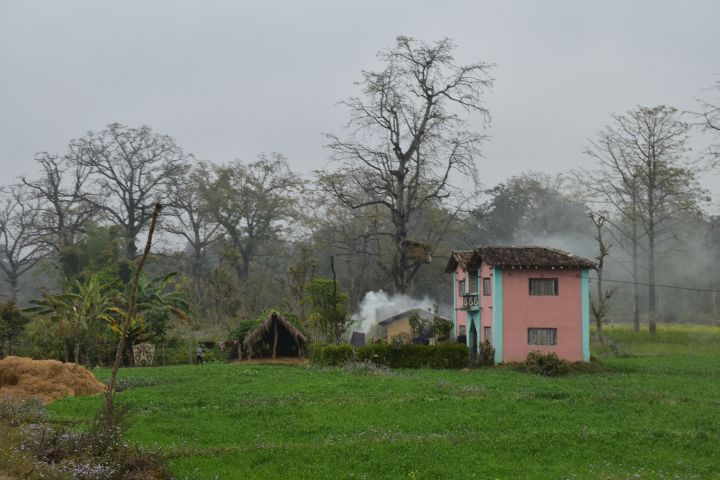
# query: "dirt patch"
45,380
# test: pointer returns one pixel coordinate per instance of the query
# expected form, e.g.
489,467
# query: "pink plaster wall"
462,315
522,311
486,303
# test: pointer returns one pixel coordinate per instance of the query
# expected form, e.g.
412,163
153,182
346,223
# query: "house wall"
398,326
486,303
564,311
461,316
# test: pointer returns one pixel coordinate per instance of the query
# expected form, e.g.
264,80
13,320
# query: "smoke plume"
378,305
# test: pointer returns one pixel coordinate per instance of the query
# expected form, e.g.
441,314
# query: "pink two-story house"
522,299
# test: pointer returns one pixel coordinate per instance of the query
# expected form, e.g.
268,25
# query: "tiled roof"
528,257
459,258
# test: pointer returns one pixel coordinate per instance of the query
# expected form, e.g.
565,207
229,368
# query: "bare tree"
616,185
709,121
64,210
22,245
408,138
131,169
645,175
189,216
254,203
600,306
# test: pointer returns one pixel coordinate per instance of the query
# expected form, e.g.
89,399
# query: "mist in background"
231,79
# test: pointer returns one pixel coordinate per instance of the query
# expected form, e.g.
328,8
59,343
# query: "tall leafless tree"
130,170
408,138
709,121
64,209
22,244
599,307
254,203
188,215
616,185
645,175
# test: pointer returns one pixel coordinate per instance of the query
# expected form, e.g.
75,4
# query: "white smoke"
377,306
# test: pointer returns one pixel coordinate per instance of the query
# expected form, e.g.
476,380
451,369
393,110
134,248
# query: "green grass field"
655,414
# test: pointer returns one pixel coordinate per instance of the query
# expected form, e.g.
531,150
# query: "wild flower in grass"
473,390
367,368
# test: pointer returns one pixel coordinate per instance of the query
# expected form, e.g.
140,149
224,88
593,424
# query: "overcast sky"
231,79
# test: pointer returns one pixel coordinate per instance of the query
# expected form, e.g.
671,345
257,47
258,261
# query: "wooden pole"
274,320
131,311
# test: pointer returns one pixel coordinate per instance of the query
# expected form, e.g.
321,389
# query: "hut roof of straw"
264,324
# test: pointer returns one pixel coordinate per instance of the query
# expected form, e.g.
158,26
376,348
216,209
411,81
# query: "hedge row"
444,355
332,355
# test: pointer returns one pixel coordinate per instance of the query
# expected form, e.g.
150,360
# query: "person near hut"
199,352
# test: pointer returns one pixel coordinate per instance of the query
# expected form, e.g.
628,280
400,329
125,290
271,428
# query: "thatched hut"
277,336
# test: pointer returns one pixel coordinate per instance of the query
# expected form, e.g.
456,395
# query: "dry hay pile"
45,380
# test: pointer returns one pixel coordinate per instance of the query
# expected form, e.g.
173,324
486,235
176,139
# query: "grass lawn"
656,414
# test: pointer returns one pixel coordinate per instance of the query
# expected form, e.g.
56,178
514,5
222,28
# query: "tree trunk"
635,260
652,301
13,281
275,339
400,262
131,248
600,303
335,320
76,345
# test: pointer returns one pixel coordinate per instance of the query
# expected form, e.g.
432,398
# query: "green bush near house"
445,355
547,364
377,353
550,365
331,355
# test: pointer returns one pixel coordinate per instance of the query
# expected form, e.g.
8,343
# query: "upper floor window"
461,287
543,286
487,288
473,284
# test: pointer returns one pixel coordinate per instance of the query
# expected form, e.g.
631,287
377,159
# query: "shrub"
450,355
331,355
546,364
402,338
316,352
487,353
445,355
33,448
377,353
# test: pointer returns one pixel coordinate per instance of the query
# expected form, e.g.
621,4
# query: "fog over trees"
403,190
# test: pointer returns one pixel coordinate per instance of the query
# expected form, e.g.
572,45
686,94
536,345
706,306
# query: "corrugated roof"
424,314
527,257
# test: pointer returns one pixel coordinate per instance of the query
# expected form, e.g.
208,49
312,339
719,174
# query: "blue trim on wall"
473,319
585,316
497,322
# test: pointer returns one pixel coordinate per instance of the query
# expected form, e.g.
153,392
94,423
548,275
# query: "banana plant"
80,308
156,305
